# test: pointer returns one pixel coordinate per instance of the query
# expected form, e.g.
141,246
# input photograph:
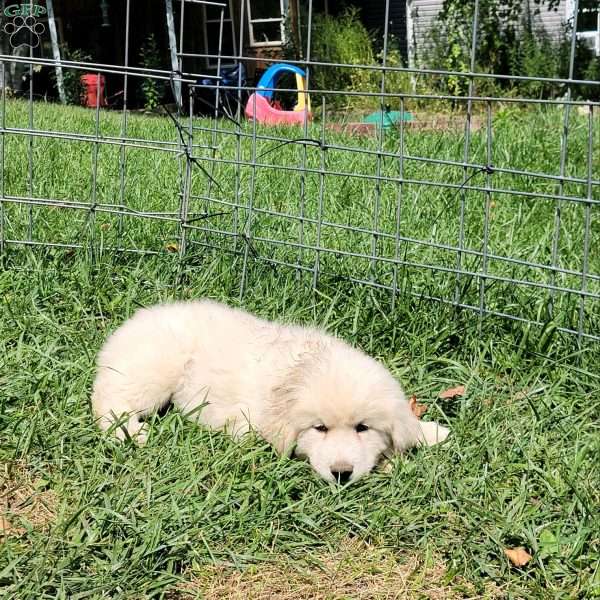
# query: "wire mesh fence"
491,206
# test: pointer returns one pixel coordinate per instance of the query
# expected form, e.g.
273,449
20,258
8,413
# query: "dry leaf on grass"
417,409
519,557
459,390
172,247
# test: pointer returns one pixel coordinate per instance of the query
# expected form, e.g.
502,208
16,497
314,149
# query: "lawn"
194,514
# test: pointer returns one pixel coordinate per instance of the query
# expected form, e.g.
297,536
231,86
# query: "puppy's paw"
433,433
127,428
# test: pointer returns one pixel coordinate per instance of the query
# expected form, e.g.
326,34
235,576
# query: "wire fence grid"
455,214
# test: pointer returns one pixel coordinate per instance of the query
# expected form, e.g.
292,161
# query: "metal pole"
56,52
173,48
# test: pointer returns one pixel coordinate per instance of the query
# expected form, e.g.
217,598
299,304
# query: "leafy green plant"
536,55
151,90
74,89
507,44
344,39
591,73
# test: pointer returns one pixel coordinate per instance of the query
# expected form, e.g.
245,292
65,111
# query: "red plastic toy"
94,86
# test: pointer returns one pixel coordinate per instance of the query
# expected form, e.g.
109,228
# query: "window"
212,26
265,21
588,23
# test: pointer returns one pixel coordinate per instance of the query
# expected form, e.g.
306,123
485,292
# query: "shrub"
344,39
74,89
152,90
591,73
536,55
507,44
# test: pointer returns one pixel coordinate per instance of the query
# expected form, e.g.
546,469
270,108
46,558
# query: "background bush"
508,43
344,39
74,89
152,90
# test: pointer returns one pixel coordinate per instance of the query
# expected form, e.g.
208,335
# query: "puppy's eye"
361,427
321,428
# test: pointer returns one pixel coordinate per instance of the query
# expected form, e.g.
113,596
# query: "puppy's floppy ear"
405,430
278,429
281,427
282,439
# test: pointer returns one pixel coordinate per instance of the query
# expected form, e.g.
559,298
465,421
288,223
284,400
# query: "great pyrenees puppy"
297,387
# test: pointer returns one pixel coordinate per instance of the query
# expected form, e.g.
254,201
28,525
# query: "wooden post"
295,27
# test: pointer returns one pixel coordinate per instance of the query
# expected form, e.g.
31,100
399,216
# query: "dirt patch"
357,570
456,124
23,500
446,123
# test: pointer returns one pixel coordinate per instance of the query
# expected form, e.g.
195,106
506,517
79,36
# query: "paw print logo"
24,31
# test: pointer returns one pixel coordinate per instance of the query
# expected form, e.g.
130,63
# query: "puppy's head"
343,410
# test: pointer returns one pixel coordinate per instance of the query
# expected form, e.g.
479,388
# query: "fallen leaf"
172,247
459,390
417,409
519,557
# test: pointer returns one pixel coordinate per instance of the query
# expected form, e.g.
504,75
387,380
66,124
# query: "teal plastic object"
388,118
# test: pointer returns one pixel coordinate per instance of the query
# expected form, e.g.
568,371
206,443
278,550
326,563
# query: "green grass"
357,218
521,467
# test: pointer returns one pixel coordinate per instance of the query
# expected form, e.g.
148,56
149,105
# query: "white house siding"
422,16
553,21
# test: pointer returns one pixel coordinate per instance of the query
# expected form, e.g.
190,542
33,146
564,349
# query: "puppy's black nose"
342,476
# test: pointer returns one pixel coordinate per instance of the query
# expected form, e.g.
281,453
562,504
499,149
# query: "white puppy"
230,370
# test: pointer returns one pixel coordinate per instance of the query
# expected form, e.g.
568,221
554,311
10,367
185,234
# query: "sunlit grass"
520,468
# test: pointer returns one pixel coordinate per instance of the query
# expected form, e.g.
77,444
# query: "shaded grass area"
193,512
519,470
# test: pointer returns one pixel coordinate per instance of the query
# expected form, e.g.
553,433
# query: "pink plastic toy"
264,109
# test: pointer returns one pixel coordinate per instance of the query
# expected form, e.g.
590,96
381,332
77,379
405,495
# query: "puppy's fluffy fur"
231,370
